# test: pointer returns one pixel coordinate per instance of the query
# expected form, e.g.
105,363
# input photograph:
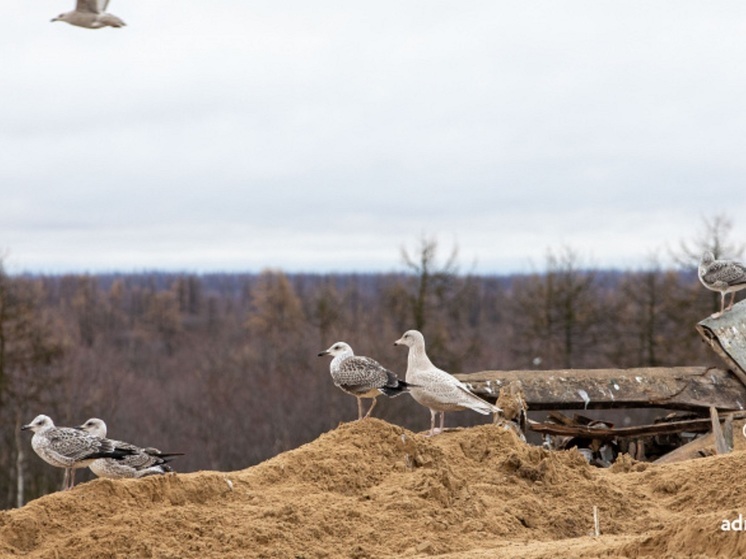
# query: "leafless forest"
224,367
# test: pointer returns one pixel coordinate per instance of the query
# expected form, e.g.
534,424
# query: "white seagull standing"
90,14
362,377
69,448
142,462
434,388
724,276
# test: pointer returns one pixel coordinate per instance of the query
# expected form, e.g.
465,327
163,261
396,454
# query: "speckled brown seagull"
142,462
69,448
90,14
724,276
361,376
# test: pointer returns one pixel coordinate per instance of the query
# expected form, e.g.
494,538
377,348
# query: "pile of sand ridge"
369,489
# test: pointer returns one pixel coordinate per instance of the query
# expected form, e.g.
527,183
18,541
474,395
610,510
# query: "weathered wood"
726,335
728,431
597,432
720,446
677,388
699,447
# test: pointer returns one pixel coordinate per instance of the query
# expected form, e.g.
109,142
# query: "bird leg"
732,300
433,413
359,407
66,479
372,405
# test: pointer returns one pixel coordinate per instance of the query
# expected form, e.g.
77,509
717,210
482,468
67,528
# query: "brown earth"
369,489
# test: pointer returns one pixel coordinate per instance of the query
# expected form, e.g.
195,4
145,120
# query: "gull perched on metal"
361,376
90,14
434,388
69,448
142,462
724,276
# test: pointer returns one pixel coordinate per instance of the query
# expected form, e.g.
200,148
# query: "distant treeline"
224,367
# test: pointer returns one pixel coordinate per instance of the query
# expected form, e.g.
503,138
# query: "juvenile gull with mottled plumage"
142,462
69,448
361,376
433,387
724,276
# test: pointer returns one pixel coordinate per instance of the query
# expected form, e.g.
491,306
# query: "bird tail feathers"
395,390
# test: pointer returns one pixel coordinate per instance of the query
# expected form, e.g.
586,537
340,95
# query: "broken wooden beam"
721,447
676,388
699,447
701,425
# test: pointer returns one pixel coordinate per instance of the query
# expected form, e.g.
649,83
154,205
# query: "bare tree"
432,280
714,235
556,312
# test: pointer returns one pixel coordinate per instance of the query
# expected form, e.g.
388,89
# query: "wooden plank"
728,431
726,335
690,425
699,447
717,432
677,388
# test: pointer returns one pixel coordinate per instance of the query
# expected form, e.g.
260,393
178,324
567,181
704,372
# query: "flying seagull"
362,377
69,448
434,388
724,276
142,462
91,14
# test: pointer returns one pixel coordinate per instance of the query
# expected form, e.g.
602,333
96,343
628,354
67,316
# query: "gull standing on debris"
90,14
69,448
142,462
434,388
362,377
725,276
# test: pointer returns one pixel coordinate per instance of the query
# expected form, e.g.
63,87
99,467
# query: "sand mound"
370,490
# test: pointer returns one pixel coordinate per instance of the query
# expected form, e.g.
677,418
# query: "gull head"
95,427
339,348
707,258
411,338
40,422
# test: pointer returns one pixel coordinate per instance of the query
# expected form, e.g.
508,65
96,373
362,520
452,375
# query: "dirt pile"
372,490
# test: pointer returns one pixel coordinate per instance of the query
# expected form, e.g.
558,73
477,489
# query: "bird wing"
725,271
89,6
359,374
78,445
443,388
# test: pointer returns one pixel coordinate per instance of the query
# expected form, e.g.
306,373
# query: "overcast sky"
324,136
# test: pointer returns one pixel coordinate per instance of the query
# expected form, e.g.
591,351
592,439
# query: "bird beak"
398,342
325,352
25,427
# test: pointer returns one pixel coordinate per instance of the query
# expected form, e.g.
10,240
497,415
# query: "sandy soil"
370,489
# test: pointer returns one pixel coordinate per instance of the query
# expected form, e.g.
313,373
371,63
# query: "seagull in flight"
90,14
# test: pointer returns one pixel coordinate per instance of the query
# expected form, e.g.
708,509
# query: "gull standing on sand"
362,377
725,276
142,462
434,388
69,448
90,14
